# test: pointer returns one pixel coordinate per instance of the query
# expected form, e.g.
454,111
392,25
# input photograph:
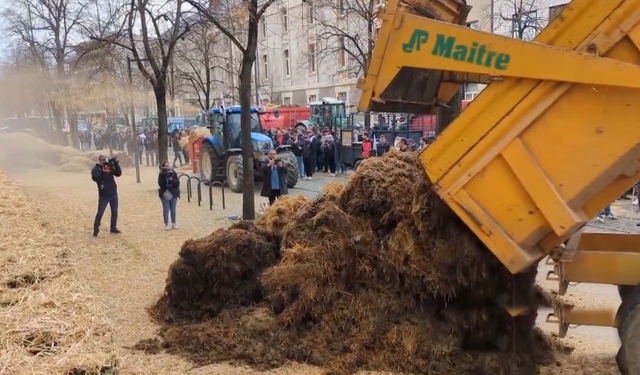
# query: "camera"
110,162
167,172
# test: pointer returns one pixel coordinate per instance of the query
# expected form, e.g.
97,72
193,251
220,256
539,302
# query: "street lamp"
132,115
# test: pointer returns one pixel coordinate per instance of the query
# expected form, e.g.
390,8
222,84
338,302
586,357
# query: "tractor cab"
329,112
225,126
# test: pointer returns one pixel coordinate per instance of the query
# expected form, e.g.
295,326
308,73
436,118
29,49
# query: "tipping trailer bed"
550,142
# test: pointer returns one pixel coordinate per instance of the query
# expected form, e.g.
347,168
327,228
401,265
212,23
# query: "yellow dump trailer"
552,140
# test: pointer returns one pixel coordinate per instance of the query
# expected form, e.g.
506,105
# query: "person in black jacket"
308,158
104,174
169,193
177,149
297,143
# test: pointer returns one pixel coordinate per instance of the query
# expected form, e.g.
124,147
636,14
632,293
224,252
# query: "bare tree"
519,19
25,85
47,28
346,32
225,18
201,65
161,26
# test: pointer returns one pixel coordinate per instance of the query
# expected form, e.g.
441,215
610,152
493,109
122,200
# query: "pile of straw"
217,272
50,323
279,214
378,275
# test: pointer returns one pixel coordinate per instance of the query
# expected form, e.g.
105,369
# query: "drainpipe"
492,15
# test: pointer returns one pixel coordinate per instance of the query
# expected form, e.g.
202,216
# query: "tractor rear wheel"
209,164
234,173
293,171
628,317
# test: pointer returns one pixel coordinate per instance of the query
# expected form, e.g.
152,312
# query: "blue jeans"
169,206
605,212
102,207
300,165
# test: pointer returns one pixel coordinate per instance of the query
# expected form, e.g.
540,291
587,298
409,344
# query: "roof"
231,109
327,101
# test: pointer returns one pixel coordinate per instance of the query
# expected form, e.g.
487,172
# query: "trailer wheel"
628,317
624,290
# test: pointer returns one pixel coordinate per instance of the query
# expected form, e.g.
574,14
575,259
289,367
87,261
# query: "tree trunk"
447,115
58,120
160,92
248,197
73,127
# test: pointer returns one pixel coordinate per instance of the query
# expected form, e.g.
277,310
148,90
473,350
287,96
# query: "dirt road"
128,271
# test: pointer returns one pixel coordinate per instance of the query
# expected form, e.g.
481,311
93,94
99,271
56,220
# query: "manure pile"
22,150
378,275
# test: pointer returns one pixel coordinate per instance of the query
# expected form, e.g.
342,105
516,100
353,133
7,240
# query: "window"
342,96
264,29
287,63
525,25
554,11
285,20
470,95
312,98
312,57
310,14
286,100
265,66
342,53
473,25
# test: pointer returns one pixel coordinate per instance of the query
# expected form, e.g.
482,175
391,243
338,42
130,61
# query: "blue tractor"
221,152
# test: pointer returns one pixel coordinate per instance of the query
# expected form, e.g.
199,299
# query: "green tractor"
329,112
221,153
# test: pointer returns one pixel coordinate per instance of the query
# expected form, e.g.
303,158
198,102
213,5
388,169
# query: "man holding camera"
104,174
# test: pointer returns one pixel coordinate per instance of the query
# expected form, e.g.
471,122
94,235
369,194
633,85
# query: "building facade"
299,59
312,49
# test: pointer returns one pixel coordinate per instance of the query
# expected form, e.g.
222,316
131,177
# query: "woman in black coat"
274,178
169,193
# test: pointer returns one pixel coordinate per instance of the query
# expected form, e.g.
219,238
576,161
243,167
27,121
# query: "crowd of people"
318,150
122,139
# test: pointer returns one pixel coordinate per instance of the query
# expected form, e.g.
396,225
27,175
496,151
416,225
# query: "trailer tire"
628,317
624,290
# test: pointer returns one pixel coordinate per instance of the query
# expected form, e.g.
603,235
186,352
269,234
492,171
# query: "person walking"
177,149
169,192
274,184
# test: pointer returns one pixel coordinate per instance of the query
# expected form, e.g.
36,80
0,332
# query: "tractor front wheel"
234,173
628,318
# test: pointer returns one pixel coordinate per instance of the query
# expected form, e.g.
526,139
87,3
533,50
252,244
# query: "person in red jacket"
367,145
